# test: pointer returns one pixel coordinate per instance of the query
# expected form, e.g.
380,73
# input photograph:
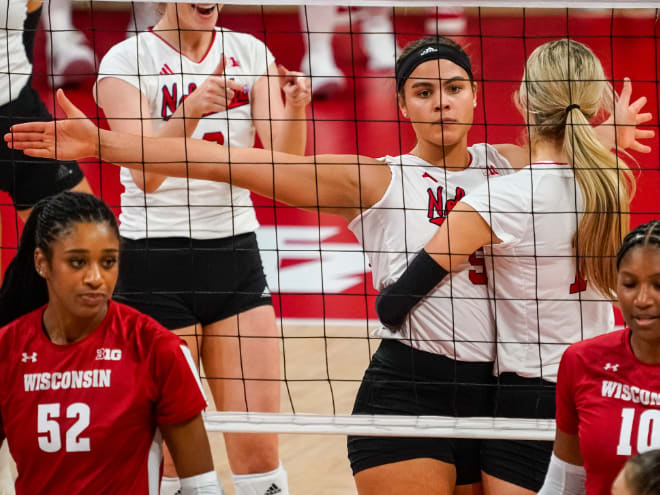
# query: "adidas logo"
428,50
165,70
273,490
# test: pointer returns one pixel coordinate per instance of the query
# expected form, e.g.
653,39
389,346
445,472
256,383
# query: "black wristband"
397,300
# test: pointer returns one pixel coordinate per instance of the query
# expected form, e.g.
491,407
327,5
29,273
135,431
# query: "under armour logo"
613,367
273,489
32,357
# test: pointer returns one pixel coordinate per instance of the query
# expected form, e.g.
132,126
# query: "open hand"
625,119
70,139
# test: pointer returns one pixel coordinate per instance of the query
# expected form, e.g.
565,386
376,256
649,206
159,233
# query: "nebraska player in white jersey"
89,385
608,388
535,226
437,93
420,196
187,77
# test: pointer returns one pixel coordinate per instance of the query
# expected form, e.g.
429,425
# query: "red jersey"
82,418
611,400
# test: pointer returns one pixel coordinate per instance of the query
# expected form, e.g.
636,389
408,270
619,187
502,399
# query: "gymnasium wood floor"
316,464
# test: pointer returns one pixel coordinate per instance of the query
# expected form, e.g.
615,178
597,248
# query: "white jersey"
455,319
540,303
15,68
187,207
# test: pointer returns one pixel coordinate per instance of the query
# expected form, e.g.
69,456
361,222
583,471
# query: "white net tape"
382,425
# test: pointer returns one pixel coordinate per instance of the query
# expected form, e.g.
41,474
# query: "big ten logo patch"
105,354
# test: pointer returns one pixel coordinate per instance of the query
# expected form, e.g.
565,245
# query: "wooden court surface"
316,464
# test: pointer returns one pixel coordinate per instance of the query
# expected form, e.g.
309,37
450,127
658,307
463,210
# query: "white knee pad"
271,483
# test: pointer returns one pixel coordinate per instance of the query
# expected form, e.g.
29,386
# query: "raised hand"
297,88
625,119
70,139
213,95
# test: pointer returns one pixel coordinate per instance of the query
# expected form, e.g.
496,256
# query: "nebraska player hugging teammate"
608,387
88,387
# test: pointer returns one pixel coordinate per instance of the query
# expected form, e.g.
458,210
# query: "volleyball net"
317,272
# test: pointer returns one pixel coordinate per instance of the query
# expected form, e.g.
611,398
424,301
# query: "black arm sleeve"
397,300
30,27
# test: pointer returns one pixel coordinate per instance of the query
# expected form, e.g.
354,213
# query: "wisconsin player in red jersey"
639,476
608,389
89,387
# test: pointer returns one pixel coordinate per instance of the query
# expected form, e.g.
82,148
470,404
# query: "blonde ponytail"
563,87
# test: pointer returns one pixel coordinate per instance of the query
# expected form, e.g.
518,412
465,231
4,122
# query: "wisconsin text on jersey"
66,380
630,393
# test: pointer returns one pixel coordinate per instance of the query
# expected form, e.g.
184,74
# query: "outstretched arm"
336,184
464,232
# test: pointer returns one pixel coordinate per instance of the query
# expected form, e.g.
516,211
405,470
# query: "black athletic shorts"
28,179
521,462
401,380
180,281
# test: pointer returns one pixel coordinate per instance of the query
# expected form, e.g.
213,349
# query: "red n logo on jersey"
578,285
437,212
170,102
240,98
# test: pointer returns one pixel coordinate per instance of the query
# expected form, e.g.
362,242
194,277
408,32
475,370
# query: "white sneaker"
379,42
445,21
71,60
324,74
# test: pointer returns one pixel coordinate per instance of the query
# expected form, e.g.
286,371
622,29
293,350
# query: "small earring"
475,105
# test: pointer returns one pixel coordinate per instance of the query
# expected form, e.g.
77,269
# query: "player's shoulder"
137,329
246,40
489,161
127,46
139,48
22,326
589,349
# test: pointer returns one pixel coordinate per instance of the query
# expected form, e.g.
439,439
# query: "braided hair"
643,473
52,218
643,235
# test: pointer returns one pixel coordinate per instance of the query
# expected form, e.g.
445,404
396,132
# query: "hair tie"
571,107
